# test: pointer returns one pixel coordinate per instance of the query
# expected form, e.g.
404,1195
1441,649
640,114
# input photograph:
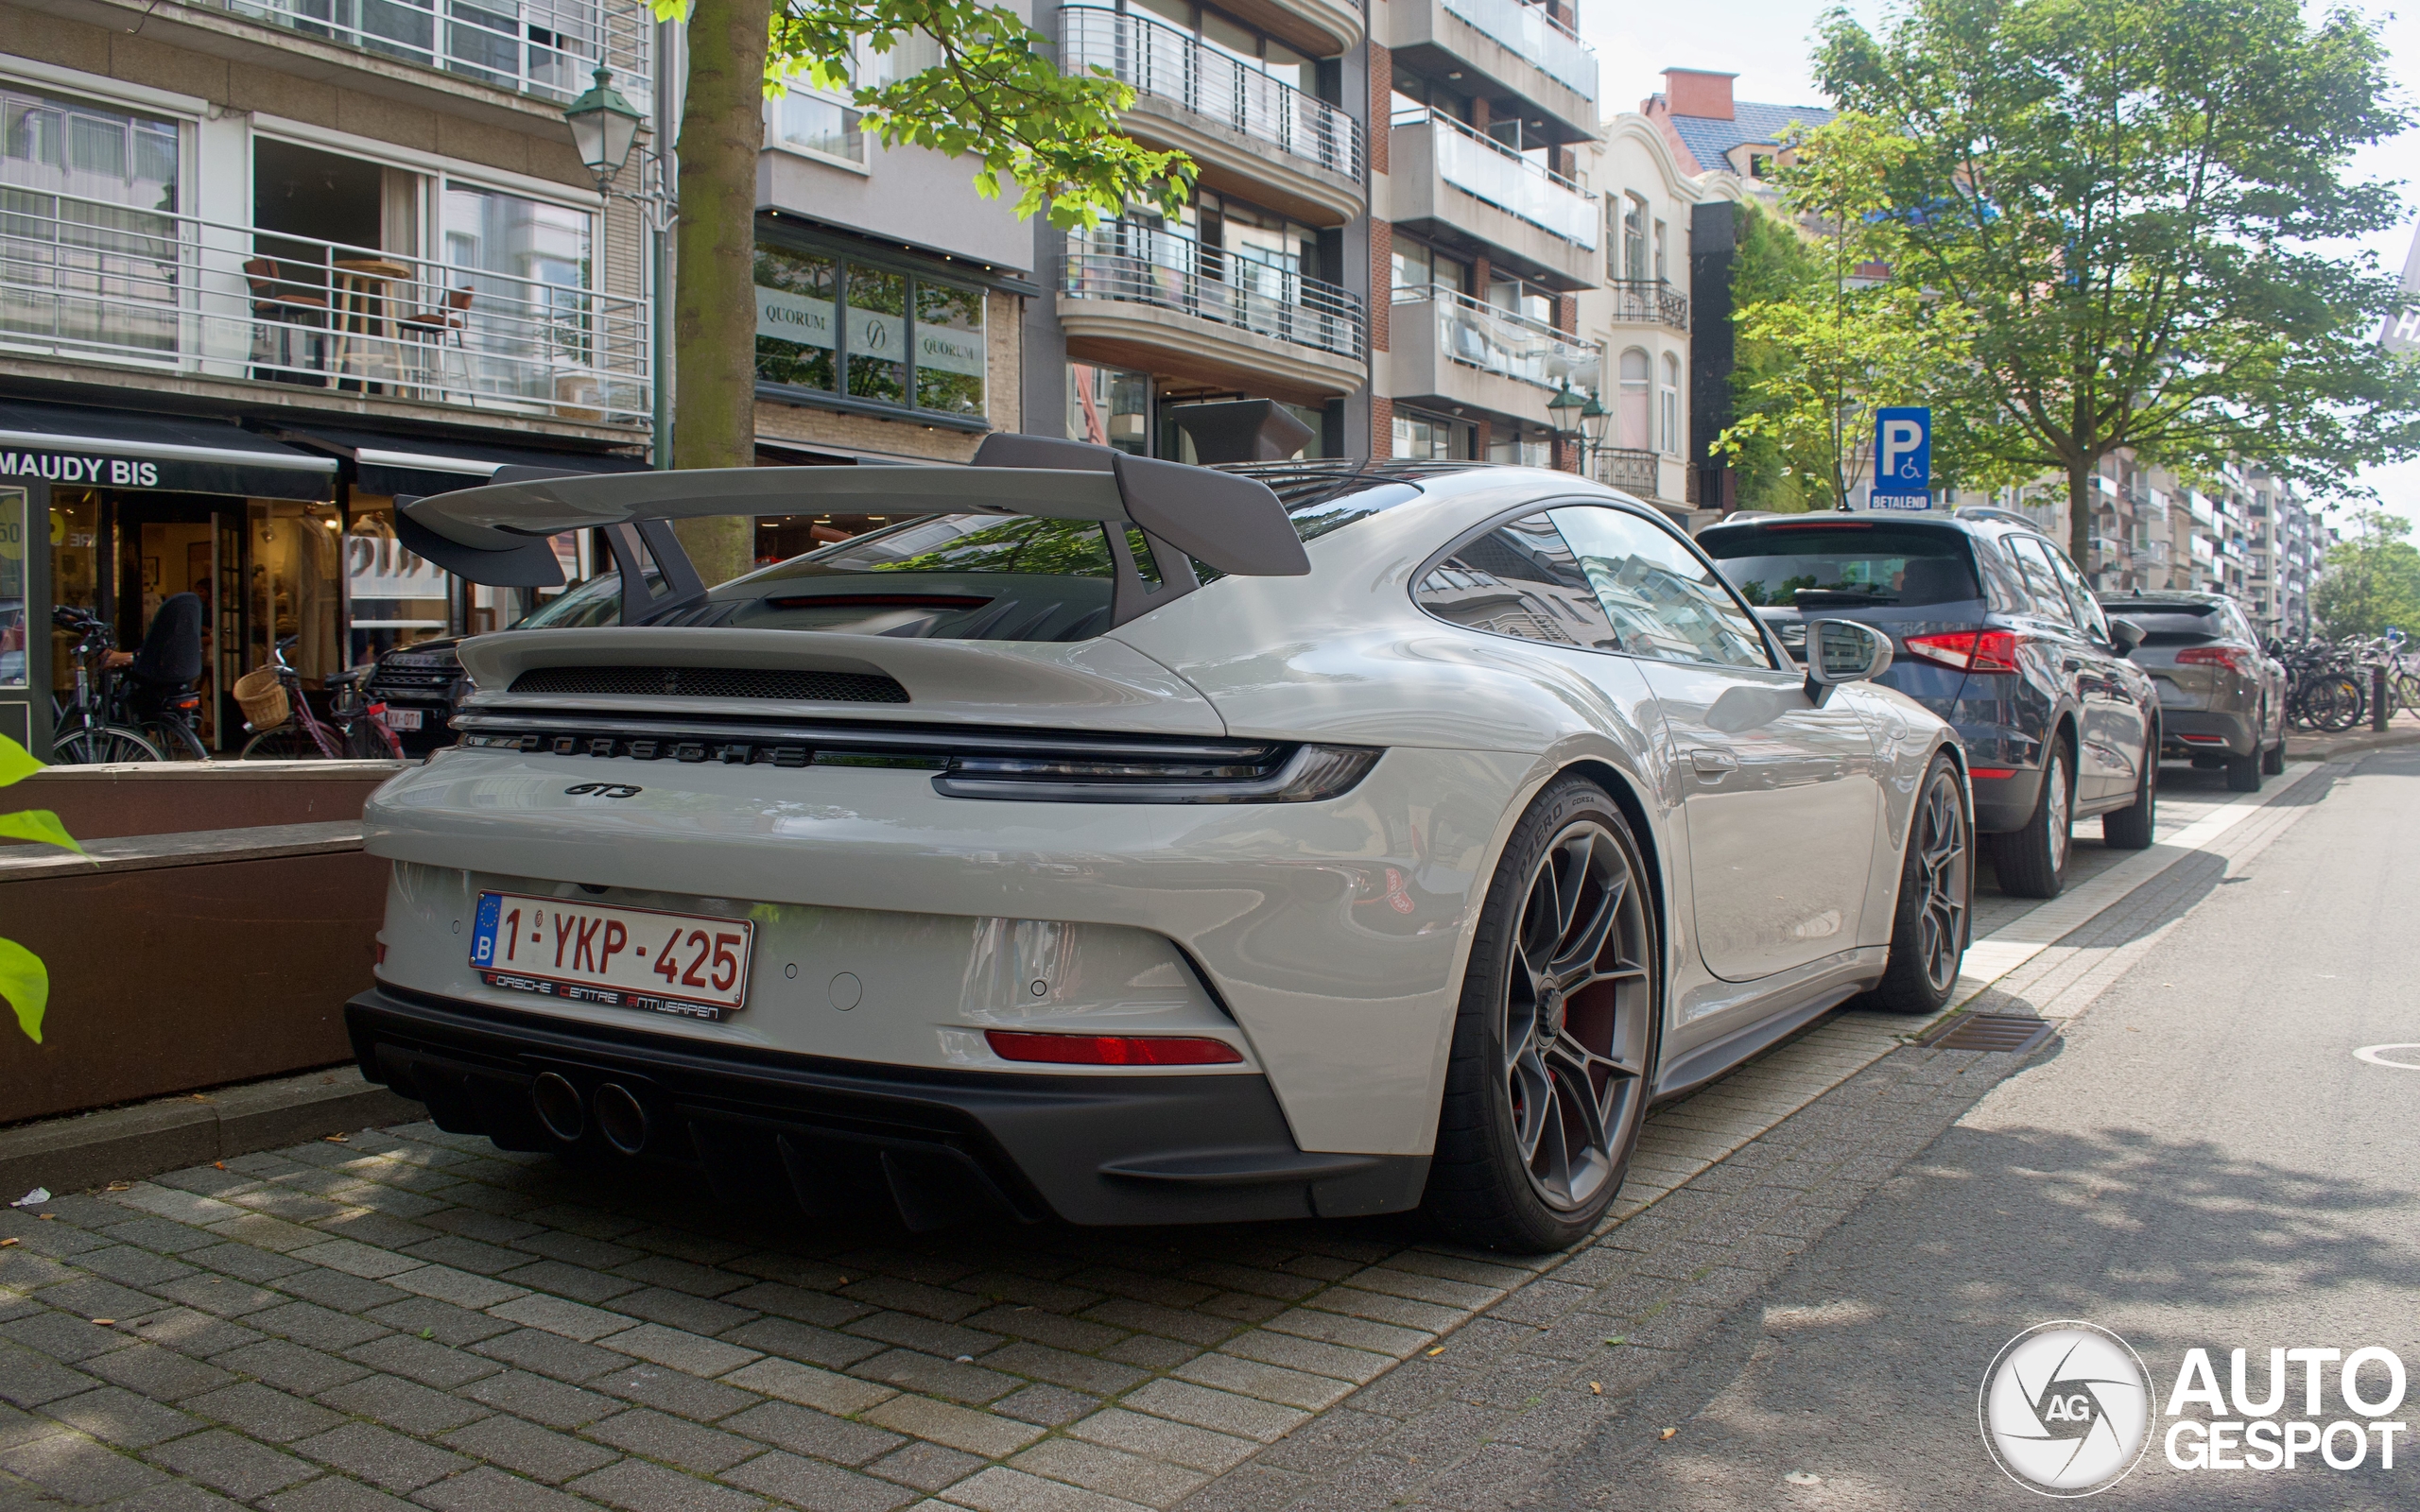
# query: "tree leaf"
41,826
16,763
26,983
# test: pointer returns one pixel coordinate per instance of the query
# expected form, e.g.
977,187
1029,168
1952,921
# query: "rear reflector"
2204,740
1990,771
1111,1050
1967,650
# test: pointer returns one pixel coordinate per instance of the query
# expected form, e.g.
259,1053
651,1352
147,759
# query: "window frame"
913,278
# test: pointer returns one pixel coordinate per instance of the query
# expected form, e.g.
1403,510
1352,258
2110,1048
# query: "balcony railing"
1498,341
1167,64
1649,301
94,281
1138,264
1487,169
1536,36
1629,468
543,47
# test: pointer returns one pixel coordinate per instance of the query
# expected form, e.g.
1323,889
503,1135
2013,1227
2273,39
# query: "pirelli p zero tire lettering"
1554,1042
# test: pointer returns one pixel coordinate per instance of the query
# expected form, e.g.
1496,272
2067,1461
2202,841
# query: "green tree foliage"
1772,264
996,97
2134,198
1833,333
2372,580
25,982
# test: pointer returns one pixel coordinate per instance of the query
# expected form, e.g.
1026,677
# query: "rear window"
2173,623
1844,565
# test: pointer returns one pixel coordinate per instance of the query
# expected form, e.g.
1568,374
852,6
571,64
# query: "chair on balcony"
433,334
287,306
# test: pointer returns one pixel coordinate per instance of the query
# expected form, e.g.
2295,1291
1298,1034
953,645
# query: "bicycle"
84,731
356,727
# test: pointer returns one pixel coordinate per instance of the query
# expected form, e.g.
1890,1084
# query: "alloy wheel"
1942,858
2055,811
1575,1008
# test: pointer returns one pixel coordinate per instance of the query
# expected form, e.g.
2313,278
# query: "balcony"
1514,54
1649,301
1464,190
1149,299
1225,113
548,48
1448,348
1631,470
148,293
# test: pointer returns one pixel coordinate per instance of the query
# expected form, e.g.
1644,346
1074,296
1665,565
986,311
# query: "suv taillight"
1967,650
2233,658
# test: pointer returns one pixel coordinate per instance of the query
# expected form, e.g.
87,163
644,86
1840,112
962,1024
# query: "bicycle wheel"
97,745
287,743
369,740
176,740
2339,702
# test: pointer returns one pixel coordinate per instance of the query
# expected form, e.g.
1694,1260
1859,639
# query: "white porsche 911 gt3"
1128,842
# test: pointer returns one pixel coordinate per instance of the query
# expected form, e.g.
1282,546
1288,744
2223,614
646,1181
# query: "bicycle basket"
262,698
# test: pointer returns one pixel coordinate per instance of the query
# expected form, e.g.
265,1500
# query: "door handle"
1713,764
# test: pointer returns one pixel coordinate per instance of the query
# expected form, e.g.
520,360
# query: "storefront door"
25,700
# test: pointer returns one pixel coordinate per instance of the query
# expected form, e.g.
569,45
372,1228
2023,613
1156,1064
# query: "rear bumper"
937,1146
2233,733
2005,803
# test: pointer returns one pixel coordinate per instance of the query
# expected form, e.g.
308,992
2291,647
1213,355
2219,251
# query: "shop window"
13,637
76,553
394,597
1427,438
899,339
294,588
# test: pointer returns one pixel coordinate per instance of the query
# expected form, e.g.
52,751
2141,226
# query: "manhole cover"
2008,1033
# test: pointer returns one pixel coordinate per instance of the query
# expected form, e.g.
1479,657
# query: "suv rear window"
2172,623
1843,565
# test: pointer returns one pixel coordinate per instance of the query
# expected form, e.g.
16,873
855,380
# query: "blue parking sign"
1903,457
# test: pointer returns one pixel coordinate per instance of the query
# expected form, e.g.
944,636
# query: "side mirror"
2125,635
1843,651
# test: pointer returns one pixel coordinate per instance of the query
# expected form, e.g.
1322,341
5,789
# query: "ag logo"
601,790
2065,1409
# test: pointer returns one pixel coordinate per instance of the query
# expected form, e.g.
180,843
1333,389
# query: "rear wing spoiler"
497,534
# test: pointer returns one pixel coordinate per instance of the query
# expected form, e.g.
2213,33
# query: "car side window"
1518,579
2087,609
2001,581
1662,599
2034,561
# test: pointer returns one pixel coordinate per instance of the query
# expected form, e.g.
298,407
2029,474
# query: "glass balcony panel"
1168,63
544,47
1488,170
1527,30
1144,265
501,328
1498,341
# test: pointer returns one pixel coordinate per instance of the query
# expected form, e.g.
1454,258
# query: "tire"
2031,860
1536,1129
2273,760
2243,772
176,740
1933,920
100,745
2130,828
287,743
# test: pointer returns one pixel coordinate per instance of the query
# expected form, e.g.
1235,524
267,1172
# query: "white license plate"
689,964
403,719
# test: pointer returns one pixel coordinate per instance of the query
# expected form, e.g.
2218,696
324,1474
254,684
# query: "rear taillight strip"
1988,651
870,737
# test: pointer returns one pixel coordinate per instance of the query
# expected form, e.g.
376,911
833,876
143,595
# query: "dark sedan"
2222,700
1994,631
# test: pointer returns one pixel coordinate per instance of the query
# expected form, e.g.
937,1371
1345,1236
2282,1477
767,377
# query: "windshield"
1843,565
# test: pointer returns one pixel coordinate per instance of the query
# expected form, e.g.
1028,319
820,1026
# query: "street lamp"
604,128
1565,408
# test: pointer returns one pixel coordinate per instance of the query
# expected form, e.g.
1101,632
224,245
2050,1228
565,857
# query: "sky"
1767,42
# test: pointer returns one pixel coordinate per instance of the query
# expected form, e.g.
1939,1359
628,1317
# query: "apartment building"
267,265
1640,318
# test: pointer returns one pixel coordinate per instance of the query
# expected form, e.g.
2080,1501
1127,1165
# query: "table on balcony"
364,314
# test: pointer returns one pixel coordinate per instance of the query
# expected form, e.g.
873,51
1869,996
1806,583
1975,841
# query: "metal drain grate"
2007,1033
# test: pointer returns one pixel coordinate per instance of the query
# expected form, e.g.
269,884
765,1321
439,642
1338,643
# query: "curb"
127,1143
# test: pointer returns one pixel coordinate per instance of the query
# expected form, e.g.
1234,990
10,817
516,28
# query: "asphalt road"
2200,1162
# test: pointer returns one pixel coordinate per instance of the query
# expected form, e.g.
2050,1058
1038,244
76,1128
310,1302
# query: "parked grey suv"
1995,631
2221,699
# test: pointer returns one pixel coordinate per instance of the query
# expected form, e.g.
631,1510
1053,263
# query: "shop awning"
394,464
131,449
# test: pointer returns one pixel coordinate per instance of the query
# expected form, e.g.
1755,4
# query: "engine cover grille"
715,682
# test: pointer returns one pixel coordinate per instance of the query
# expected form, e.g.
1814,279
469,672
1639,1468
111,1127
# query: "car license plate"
403,719
687,963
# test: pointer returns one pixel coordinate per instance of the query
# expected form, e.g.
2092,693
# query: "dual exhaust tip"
620,1118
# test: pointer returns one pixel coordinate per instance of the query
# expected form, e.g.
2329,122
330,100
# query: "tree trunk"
2080,512
723,133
